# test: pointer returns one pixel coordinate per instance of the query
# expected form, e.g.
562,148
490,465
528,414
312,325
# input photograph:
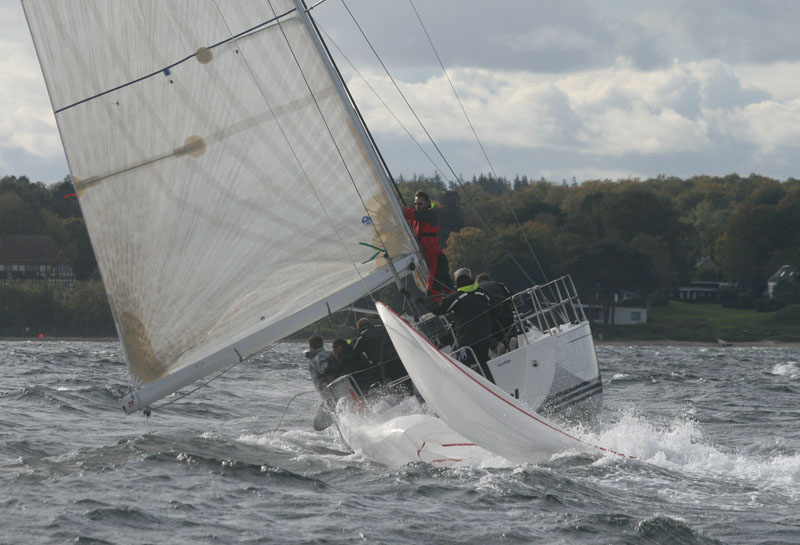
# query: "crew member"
319,367
502,311
424,220
470,308
319,360
374,343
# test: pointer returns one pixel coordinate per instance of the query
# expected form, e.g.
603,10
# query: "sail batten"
217,191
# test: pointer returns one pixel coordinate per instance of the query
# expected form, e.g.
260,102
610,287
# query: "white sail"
407,439
226,184
474,407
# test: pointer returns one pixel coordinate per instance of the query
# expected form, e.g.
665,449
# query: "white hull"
555,374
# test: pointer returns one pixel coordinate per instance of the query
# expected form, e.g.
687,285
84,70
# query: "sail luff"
358,123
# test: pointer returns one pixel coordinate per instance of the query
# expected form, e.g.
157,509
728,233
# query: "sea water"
714,431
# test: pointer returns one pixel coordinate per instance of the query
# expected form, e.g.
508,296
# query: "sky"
554,89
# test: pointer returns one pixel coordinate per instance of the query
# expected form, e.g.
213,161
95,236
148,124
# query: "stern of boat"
552,365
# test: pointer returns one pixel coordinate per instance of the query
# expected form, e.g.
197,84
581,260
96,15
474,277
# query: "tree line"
645,237
28,309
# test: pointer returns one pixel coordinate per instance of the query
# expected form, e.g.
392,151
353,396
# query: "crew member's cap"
463,272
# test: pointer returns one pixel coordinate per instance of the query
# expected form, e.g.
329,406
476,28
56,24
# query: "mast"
360,127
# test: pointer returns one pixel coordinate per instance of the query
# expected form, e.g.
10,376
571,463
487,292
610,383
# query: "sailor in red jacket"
424,220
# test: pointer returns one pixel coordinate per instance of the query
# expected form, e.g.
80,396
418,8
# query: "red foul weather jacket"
425,224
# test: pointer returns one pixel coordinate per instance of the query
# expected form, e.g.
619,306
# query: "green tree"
17,217
63,200
76,244
663,270
468,248
584,207
602,270
752,234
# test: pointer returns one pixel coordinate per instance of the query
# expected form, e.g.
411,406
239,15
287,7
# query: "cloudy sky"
559,89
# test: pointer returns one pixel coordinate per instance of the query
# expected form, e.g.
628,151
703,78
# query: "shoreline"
612,342
65,339
719,344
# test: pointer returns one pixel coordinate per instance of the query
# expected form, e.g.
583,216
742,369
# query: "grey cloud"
722,89
541,36
567,35
37,169
740,30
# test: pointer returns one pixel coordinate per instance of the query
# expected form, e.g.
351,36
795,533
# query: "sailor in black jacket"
470,310
374,343
502,308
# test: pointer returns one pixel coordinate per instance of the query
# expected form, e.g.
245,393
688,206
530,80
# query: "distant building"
701,292
786,272
622,315
34,258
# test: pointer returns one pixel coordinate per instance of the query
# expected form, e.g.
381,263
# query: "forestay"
225,181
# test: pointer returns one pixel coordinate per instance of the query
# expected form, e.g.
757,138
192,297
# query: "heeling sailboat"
226,181
233,196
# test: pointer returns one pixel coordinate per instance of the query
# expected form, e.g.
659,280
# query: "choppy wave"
714,433
789,369
680,445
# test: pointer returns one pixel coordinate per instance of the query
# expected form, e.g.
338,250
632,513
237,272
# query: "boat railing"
399,382
466,355
437,329
548,307
346,387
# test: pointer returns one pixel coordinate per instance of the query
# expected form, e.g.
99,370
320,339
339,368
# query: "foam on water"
789,369
680,445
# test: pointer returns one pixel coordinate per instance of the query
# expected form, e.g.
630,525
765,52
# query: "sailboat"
233,195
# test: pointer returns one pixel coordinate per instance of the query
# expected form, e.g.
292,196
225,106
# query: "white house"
786,272
622,315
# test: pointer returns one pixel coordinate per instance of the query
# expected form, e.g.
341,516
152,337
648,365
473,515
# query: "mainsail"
230,191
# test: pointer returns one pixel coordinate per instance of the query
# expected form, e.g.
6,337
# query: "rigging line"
330,320
168,67
370,142
309,8
375,149
358,113
386,106
477,139
209,381
430,138
287,406
446,75
402,95
338,150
